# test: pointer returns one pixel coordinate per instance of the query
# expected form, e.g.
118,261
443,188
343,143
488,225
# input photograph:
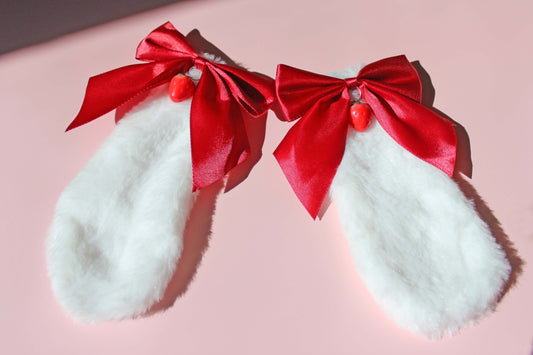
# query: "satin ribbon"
224,95
312,150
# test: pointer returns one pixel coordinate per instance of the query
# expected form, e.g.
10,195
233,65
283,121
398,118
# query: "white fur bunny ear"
118,230
424,253
427,257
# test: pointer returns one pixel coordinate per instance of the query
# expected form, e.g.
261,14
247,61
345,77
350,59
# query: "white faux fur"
118,228
428,259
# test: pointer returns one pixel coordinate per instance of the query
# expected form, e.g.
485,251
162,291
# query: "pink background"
272,281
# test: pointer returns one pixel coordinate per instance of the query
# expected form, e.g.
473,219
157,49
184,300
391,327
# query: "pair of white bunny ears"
428,258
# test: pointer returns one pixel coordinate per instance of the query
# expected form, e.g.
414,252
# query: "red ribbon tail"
218,145
416,128
107,91
312,150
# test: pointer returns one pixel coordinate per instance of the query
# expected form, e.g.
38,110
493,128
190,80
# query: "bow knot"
312,150
200,62
352,83
224,96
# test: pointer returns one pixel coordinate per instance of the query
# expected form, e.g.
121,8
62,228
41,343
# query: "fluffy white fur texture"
428,259
118,228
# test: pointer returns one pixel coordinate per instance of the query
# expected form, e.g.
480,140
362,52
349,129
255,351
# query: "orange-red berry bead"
181,88
361,115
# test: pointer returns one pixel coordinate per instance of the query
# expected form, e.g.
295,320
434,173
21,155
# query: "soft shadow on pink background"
272,281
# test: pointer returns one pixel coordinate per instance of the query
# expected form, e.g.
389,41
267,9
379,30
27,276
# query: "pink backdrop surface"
272,280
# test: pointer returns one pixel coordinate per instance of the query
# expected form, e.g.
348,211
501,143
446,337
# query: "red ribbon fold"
224,95
312,150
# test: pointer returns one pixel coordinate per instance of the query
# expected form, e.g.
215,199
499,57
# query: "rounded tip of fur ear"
97,277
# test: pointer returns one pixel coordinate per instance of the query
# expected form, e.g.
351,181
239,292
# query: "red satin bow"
312,150
218,137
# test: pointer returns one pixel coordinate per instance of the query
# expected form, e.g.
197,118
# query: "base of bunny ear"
118,228
426,256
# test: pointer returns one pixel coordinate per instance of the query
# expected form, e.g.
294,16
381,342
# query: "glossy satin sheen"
218,137
313,148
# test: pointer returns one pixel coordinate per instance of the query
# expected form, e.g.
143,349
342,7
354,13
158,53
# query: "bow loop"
311,152
165,43
394,75
298,90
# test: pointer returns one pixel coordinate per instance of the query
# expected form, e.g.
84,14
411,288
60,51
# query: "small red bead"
181,88
361,116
